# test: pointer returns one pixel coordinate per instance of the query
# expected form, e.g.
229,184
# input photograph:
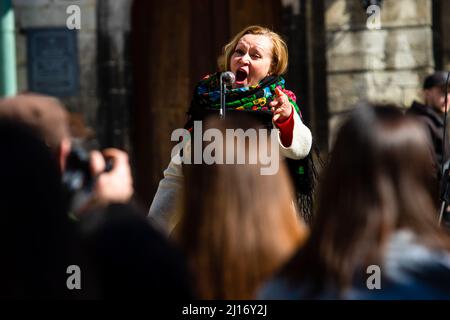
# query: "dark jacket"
434,123
409,270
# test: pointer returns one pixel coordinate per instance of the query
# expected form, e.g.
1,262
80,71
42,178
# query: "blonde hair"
279,50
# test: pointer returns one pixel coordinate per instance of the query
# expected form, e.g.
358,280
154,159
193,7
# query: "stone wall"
382,65
52,13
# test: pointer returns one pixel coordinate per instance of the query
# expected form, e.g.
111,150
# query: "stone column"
114,72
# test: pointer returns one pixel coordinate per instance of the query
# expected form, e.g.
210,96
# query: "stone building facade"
386,64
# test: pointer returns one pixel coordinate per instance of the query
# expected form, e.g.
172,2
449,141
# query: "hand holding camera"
115,184
96,178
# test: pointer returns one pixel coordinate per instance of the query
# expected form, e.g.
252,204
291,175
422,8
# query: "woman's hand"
280,106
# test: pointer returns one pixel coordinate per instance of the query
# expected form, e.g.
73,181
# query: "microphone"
228,77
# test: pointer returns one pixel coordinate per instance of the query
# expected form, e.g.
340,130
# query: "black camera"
77,174
77,179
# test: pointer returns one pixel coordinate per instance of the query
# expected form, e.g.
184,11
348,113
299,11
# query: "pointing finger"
279,92
275,117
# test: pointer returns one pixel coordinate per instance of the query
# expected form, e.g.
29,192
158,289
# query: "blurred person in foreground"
376,208
47,116
36,233
236,226
39,240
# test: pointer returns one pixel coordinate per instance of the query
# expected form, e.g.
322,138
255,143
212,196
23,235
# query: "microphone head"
228,77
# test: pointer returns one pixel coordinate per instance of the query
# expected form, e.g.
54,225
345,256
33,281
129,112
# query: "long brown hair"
379,179
237,226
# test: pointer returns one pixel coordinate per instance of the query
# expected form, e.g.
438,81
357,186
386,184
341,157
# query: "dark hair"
128,258
34,235
437,79
378,180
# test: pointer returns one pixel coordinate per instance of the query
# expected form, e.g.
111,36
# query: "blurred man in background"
431,114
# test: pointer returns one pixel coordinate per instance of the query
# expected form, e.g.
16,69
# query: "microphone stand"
445,182
222,97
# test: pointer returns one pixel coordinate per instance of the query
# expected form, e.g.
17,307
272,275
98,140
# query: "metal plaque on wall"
52,57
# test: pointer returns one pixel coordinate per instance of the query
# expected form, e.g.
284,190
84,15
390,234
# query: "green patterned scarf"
255,100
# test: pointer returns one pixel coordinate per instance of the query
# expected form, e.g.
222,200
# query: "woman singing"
258,57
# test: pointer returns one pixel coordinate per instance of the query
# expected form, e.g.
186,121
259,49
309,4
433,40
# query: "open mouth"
241,75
